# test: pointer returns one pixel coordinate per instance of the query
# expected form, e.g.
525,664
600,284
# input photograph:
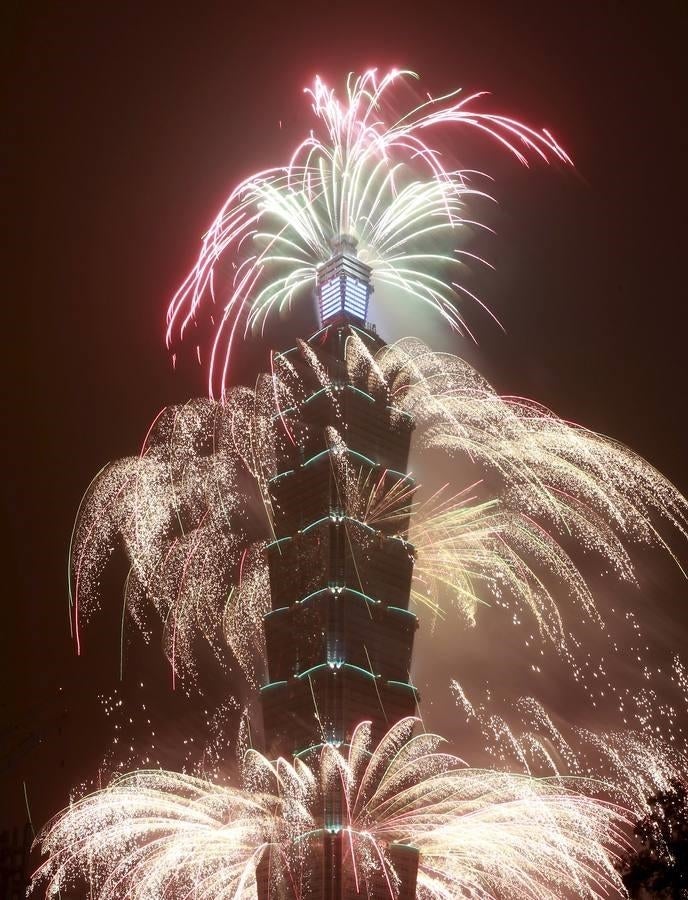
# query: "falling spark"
630,766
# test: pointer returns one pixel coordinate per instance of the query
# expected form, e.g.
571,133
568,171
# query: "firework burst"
363,174
479,833
180,507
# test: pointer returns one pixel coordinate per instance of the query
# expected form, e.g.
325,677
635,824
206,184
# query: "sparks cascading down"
319,604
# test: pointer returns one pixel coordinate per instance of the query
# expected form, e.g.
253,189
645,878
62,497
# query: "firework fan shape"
361,173
480,833
180,506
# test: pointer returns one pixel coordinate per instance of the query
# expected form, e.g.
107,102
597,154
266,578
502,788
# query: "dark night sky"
130,122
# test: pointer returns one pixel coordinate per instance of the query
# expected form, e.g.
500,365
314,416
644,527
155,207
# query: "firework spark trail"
479,832
243,615
466,549
176,508
477,550
362,174
630,765
582,481
179,507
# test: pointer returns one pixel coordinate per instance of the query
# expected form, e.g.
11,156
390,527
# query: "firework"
175,509
479,833
197,509
630,766
363,174
180,507
588,484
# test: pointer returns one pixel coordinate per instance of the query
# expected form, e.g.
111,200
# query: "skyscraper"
339,635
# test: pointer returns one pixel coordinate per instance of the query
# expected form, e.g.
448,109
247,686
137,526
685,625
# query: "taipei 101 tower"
339,635
270,524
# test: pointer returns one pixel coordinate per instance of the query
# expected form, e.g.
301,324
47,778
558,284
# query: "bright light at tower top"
343,284
366,195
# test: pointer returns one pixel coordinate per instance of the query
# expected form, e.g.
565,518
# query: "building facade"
339,636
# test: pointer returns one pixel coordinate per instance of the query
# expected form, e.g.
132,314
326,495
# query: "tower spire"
343,284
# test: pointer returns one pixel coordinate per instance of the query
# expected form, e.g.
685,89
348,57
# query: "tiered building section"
339,635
